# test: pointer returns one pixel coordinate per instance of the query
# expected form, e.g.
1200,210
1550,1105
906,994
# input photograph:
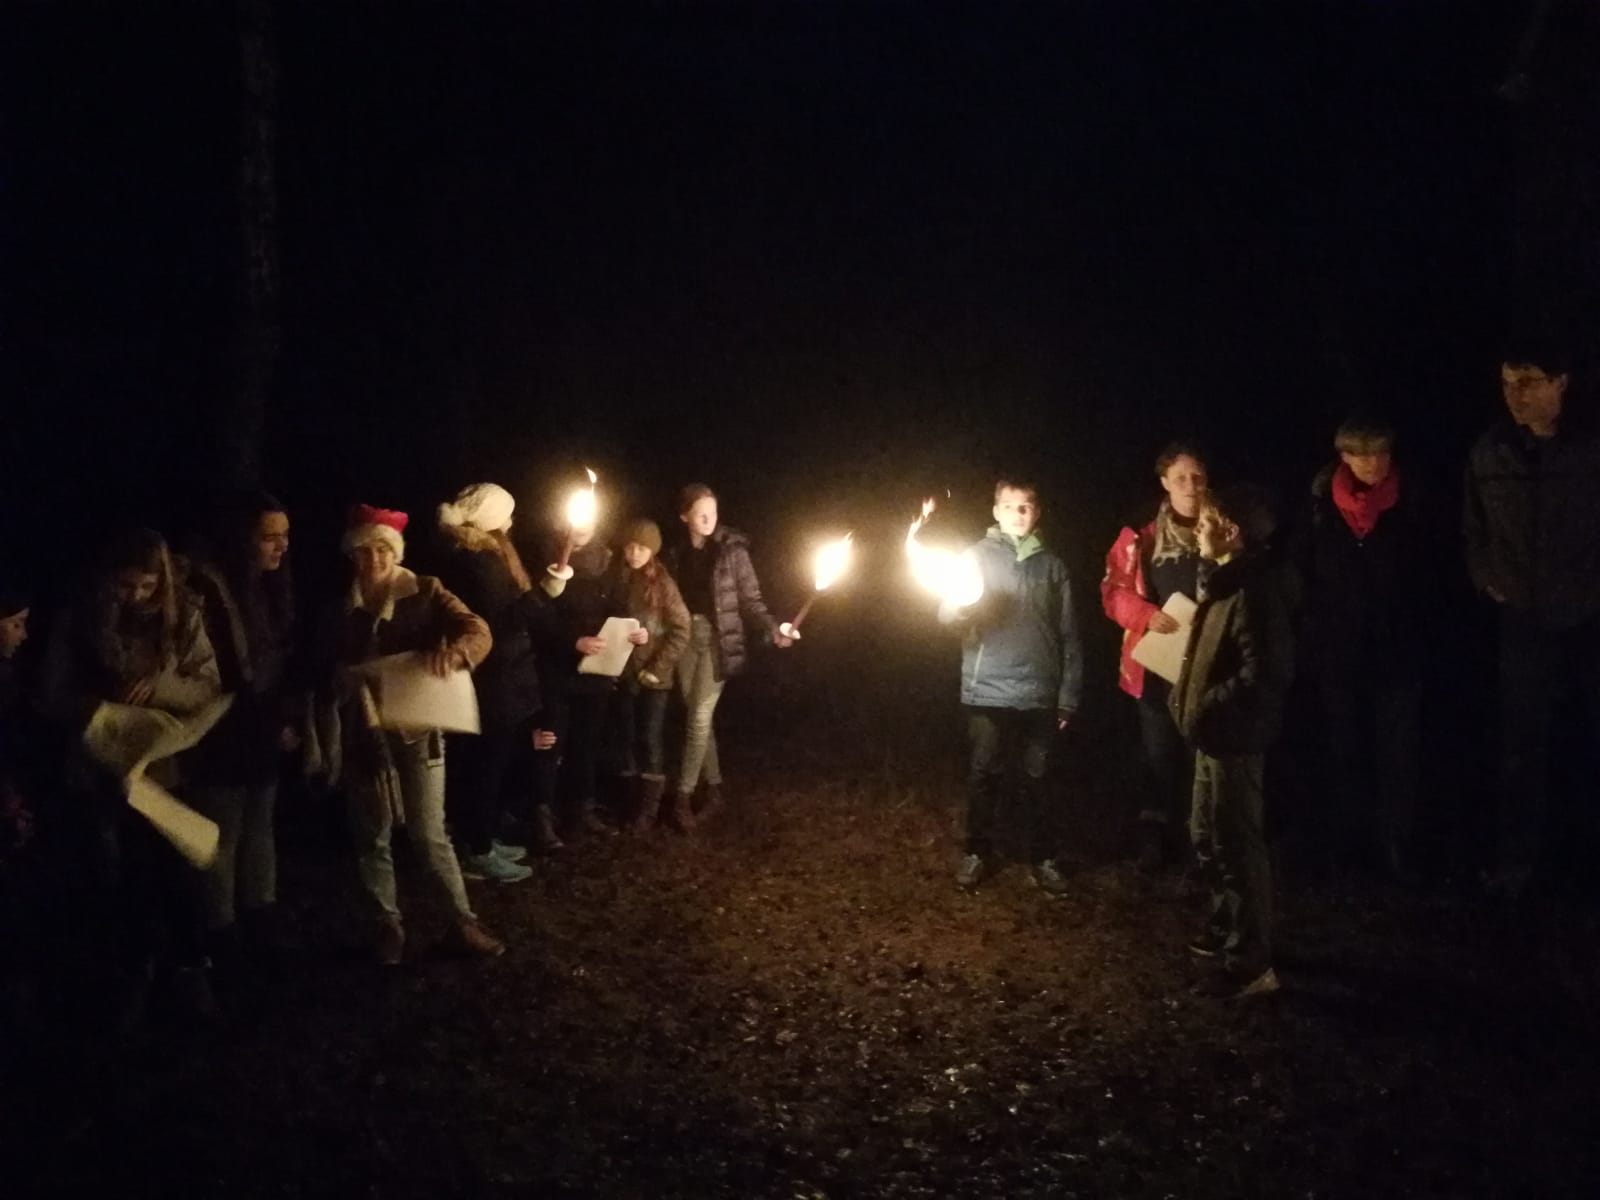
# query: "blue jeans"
638,715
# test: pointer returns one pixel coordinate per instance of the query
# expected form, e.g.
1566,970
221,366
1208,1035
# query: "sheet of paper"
1163,653
127,738
195,837
614,657
412,698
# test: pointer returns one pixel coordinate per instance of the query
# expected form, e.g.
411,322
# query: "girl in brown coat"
389,775
640,705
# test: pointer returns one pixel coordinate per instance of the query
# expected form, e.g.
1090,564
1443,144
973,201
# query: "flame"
954,578
582,508
832,560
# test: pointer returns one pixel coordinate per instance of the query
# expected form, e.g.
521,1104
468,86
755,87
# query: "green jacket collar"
1024,548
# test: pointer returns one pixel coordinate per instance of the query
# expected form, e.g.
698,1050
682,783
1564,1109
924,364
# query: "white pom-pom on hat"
485,506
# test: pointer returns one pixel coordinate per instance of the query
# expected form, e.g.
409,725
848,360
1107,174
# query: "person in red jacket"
1144,569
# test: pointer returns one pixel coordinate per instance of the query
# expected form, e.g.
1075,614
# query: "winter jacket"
667,621
522,624
1532,523
419,615
1125,596
737,595
1021,648
1370,602
1230,696
77,678
592,596
253,652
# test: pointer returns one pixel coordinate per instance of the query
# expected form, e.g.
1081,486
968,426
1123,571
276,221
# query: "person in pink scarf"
1369,558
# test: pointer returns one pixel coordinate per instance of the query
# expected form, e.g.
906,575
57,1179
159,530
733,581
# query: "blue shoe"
493,868
512,854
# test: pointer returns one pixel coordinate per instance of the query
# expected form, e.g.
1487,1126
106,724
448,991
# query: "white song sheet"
1163,653
614,657
412,699
127,738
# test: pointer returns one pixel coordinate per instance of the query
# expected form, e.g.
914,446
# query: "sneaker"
512,854
474,939
970,871
1047,877
493,868
1263,984
1209,944
390,945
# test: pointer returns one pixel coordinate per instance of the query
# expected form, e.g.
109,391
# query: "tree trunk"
257,333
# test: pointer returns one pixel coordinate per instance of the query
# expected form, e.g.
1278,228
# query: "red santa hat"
366,525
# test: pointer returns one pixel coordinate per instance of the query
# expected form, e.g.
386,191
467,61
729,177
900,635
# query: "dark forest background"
827,258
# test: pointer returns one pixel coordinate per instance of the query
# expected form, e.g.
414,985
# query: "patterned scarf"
1174,539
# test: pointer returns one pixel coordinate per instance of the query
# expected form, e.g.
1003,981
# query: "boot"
712,804
590,820
651,789
682,812
545,836
473,939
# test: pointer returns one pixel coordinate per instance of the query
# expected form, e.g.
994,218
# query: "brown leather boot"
544,830
473,939
651,789
682,812
712,804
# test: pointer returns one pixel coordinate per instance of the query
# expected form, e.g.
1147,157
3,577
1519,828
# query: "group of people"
563,753
1356,581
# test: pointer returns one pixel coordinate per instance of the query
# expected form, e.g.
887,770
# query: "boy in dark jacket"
1021,679
1228,704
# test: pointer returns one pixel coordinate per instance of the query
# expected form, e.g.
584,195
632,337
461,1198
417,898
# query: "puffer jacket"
1021,648
1230,697
1532,523
1125,596
737,597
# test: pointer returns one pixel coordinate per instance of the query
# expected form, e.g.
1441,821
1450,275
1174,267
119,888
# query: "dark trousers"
1372,730
638,716
1542,672
587,706
1168,762
1009,740
488,774
1227,829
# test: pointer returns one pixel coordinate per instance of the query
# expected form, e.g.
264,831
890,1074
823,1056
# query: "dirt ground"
798,1003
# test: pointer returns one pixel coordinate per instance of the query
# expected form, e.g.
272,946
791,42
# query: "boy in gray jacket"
1021,679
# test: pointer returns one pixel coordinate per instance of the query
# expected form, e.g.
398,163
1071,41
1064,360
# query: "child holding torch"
1021,679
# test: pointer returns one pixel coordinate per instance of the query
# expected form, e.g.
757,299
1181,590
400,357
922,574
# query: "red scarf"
1362,506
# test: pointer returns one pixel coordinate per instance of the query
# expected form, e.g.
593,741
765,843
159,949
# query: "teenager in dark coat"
1228,704
1369,558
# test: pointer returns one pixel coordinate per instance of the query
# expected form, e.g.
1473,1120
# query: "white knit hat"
485,506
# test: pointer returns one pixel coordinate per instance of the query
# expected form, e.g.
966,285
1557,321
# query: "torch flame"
582,507
954,578
832,560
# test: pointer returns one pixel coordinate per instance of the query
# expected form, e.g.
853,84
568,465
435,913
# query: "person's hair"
1536,348
690,493
1363,435
146,551
1172,452
1247,505
654,577
1018,484
236,535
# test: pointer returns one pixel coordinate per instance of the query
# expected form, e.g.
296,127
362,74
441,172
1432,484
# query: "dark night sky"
853,252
